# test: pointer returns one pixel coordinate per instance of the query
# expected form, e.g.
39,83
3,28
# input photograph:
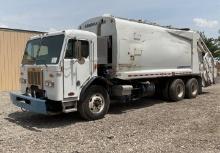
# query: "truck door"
84,69
69,70
76,66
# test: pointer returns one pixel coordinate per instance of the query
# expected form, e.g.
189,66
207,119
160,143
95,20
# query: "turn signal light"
49,84
71,94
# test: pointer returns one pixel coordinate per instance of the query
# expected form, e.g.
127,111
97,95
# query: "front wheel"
94,104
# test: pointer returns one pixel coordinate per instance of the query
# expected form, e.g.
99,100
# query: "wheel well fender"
95,81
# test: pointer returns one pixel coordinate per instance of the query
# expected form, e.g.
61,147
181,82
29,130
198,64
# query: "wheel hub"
194,89
180,91
96,103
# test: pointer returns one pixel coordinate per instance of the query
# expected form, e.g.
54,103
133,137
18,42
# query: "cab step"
69,106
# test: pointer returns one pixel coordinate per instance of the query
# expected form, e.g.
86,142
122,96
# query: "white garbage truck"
107,59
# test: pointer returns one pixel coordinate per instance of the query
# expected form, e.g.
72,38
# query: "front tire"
94,104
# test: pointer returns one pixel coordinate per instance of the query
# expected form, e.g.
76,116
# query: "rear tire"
192,88
177,90
94,103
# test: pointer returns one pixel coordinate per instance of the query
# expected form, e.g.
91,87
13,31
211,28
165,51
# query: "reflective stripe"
159,74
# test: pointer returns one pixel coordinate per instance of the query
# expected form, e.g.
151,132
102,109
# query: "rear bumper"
29,103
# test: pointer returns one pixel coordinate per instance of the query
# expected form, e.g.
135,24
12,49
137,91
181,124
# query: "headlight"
23,81
49,84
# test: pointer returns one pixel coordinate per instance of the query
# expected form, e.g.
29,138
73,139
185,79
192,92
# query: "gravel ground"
149,125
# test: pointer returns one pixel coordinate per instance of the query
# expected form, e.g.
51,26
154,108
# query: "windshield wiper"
41,60
33,60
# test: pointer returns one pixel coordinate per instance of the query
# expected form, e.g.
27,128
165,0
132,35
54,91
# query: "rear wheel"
177,90
192,88
94,104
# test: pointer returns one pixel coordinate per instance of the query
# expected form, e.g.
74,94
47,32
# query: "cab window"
84,48
71,49
77,49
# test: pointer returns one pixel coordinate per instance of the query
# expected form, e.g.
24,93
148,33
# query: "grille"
35,77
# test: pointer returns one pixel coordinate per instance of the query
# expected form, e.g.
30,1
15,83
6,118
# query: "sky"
51,15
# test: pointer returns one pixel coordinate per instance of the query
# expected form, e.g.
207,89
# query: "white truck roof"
68,32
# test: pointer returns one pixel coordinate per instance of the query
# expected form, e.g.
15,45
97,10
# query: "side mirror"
78,49
80,58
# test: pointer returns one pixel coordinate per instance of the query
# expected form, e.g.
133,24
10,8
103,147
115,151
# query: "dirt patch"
148,125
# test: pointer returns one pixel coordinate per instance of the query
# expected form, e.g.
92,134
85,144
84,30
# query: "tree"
217,53
212,43
219,36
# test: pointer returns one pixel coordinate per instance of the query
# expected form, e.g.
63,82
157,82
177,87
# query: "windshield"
44,50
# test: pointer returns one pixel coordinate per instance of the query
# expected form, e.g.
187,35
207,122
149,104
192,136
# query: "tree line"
213,44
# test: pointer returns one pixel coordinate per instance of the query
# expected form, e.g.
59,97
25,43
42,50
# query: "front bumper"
29,103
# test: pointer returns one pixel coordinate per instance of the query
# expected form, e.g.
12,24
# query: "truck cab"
54,70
